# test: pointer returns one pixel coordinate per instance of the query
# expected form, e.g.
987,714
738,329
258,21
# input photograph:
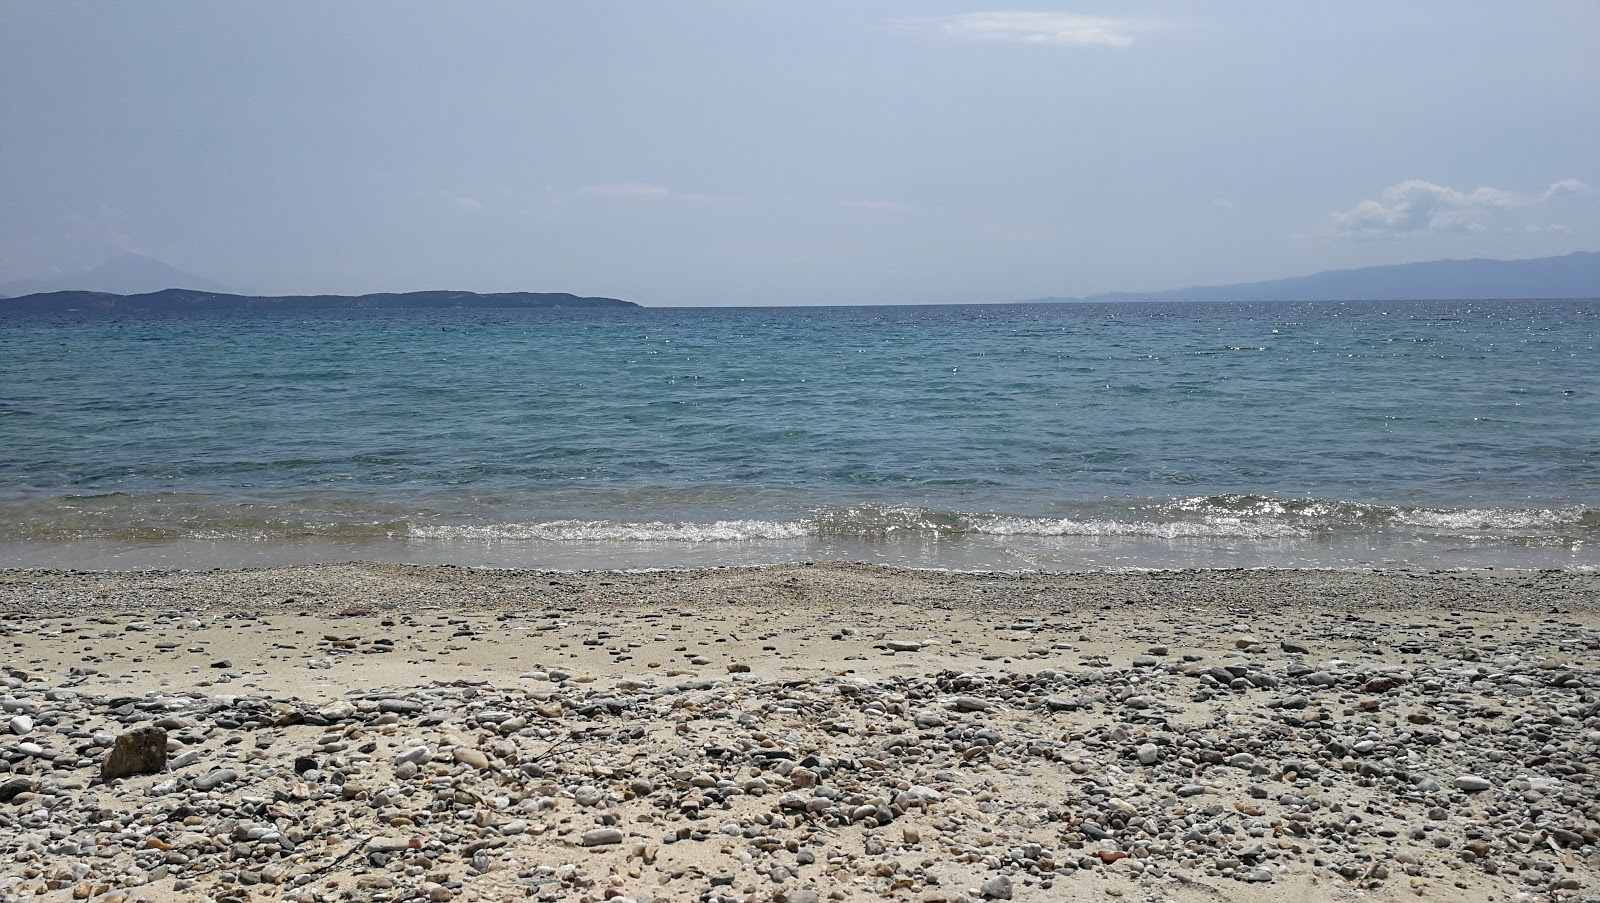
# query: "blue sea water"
1426,434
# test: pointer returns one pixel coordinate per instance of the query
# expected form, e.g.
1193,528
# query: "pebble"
213,780
595,837
996,888
1205,760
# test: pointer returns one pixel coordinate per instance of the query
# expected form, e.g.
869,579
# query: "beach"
799,732
774,453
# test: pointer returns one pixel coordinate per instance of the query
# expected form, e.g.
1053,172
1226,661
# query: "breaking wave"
1232,518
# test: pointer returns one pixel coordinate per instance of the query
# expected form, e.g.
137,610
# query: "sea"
1039,437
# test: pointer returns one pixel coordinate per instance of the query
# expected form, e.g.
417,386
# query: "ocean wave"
1224,528
611,531
1231,517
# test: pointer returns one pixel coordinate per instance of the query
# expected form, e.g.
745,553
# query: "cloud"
462,201
1565,186
629,191
1417,206
872,206
1051,29
648,191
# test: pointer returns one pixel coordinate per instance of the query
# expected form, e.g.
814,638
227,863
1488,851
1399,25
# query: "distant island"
181,300
1568,276
124,274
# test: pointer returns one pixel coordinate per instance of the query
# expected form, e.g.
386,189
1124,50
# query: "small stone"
337,711
1148,754
996,888
216,779
413,755
471,757
21,725
1472,783
399,706
599,837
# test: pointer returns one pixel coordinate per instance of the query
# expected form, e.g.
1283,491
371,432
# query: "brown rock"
13,788
142,750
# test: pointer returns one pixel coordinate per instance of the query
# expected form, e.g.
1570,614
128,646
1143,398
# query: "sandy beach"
799,733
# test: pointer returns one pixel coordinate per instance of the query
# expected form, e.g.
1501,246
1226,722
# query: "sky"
722,152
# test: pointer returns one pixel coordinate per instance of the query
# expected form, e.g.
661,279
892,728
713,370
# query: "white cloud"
872,206
647,191
1565,186
462,201
629,191
1418,206
1053,29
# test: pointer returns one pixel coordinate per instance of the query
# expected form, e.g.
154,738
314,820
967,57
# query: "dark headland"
1569,276
179,300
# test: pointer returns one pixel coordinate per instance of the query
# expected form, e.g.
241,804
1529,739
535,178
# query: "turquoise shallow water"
1029,436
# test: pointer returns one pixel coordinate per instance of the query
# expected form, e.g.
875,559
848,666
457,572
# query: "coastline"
768,733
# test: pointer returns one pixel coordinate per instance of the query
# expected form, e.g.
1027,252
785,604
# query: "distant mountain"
126,274
1569,276
178,300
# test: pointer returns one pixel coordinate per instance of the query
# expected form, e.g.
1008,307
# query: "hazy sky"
744,152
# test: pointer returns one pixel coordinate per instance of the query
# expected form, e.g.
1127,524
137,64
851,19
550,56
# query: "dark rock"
10,789
142,750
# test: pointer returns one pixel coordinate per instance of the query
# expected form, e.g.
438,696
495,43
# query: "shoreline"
975,553
802,732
